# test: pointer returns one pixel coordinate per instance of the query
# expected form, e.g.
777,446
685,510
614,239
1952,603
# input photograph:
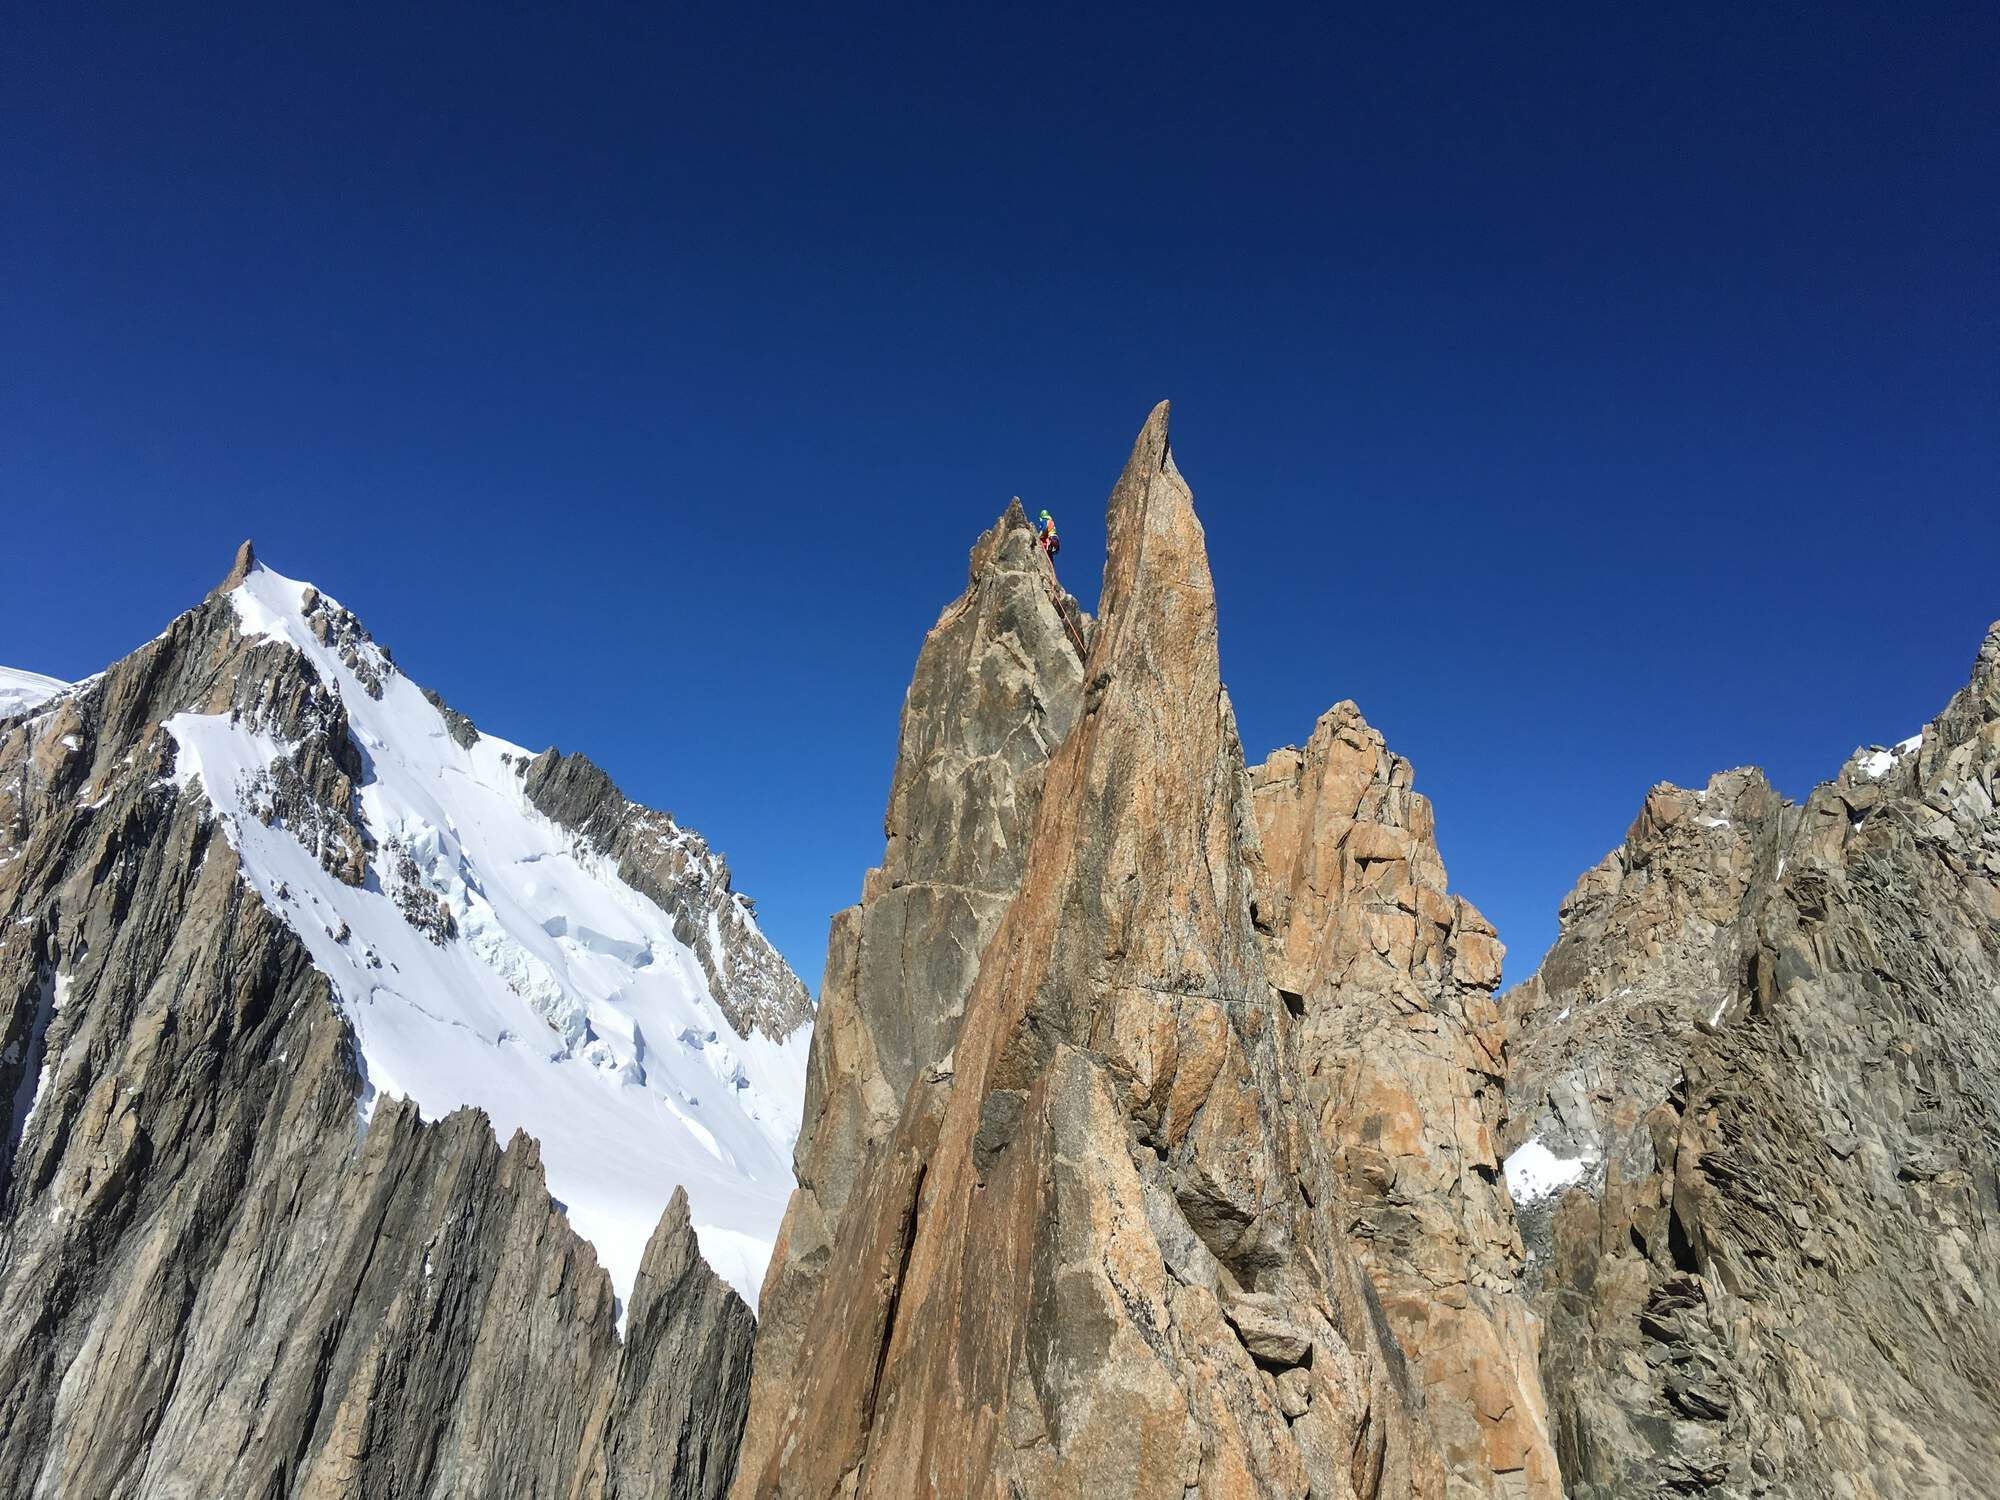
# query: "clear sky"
1596,394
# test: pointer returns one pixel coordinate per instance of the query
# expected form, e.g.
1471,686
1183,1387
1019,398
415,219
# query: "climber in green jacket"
1051,543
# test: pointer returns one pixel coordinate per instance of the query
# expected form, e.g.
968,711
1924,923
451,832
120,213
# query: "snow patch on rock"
1534,1172
21,691
1876,762
35,1067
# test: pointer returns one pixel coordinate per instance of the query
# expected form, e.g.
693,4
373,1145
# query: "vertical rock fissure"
890,1315
31,1060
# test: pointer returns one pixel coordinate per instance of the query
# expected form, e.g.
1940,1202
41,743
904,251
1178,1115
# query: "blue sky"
1597,395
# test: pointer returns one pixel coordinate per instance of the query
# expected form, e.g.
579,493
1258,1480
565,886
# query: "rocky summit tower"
1093,1255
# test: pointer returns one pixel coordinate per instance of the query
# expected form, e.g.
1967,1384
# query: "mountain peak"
244,565
1093,1205
577,967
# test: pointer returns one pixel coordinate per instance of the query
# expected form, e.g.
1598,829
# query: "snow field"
21,691
562,1004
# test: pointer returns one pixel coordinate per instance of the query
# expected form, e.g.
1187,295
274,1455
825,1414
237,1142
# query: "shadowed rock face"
1767,1039
999,684
1086,1260
1402,1055
211,1282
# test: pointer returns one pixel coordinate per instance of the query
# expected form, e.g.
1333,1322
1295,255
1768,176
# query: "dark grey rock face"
212,1281
672,1420
1771,1036
463,731
998,685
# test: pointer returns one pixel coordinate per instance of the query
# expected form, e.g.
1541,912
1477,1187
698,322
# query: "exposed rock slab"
998,685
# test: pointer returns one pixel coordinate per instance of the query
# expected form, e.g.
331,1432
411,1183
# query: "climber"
1051,543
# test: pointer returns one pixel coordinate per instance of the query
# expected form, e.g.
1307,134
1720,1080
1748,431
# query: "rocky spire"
1091,1263
240,569
999,684
1403,1056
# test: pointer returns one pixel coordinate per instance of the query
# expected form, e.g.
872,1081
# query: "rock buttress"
1088,1260
998,685
1402,1052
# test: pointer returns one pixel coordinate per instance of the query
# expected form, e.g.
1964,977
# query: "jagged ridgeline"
1154,1138
1163,1132
1758,1081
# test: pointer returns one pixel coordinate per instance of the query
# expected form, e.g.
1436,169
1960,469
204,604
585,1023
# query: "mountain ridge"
228,1238
1757,1125
1164,1128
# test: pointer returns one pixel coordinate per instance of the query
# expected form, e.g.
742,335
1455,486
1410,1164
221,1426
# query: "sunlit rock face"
1093,1256
998,686
1402,1058
1755,1111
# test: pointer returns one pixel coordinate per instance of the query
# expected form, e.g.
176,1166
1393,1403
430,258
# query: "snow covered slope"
21,691
491,957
